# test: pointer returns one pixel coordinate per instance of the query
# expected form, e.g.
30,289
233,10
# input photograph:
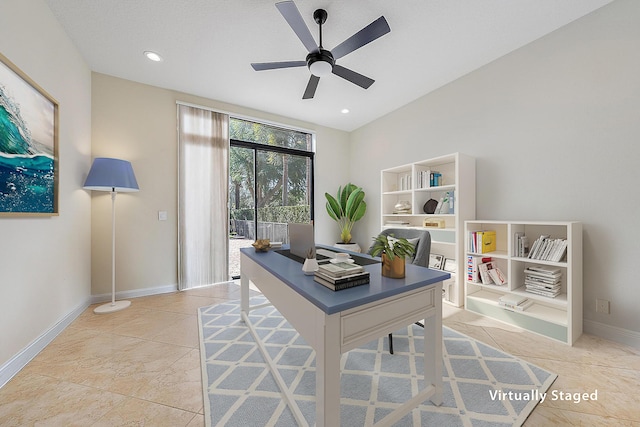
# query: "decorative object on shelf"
430,206
28,145
261,245
393,252
310,263
402,207
346,209
433,223
113,175
449,265
435,261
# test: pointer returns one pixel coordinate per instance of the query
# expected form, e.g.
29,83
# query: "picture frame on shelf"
449,265
28,145
436,261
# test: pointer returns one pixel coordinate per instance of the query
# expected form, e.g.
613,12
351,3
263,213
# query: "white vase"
353,247
310,266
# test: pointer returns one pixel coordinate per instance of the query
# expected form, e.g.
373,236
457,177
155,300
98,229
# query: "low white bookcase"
558,317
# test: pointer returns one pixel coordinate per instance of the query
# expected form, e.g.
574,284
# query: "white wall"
555,128
137,122
45,262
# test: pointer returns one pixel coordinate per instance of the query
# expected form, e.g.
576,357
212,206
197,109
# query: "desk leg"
433,349
244,291
328,370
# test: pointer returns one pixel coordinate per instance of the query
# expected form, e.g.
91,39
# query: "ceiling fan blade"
291,14
310,91
376,29
352,76
261,66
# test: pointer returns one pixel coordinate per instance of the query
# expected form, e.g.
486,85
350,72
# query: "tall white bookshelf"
559,317
410,183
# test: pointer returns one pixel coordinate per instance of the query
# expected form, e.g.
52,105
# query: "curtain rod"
248,118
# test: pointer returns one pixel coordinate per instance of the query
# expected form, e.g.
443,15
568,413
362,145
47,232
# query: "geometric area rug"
482,386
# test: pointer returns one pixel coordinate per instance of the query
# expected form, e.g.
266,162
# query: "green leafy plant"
347,208
392,247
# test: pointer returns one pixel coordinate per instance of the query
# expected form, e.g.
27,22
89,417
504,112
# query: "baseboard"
20,360
134,293
612,333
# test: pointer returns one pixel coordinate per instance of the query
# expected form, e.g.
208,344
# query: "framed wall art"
28,145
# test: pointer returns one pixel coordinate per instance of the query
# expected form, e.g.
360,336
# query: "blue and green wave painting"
26,166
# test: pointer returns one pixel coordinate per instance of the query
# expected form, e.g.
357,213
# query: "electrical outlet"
602,306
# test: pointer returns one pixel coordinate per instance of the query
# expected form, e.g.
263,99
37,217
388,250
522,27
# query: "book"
516,242
545,293
488,241
519,307
340,286
512,299
339,269
473,275
497,276
483,269
343,279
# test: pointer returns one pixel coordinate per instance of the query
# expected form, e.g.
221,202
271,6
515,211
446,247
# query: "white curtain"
203,235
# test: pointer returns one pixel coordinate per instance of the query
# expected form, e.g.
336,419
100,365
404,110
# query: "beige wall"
45,262
137,122
555,128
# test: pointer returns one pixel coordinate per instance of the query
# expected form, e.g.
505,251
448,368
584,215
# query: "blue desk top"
290,272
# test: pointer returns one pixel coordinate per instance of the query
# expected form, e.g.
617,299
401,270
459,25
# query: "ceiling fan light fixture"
320,68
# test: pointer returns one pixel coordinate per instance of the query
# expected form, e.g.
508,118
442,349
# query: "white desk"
333,323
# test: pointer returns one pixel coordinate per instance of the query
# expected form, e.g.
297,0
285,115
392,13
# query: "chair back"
423,246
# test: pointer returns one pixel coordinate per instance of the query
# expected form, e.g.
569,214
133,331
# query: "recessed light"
344,111
152,56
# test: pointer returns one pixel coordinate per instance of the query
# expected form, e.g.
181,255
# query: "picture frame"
29,181
449,265
435,261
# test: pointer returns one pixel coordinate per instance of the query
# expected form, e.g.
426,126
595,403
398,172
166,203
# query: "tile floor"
141,366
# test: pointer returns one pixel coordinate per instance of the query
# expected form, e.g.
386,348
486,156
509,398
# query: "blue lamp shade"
111,175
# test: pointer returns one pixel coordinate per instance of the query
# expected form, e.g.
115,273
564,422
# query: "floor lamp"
113,175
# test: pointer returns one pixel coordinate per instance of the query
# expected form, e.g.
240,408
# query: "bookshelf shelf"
558,317
411,183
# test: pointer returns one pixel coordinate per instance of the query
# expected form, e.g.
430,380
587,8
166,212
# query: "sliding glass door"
270,184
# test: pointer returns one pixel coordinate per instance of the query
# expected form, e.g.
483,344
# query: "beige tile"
197,421
542,416
136,412
179,386
31,399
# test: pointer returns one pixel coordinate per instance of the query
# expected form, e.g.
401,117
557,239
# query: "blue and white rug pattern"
483,386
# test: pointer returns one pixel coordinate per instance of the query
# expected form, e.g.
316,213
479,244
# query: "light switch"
162,215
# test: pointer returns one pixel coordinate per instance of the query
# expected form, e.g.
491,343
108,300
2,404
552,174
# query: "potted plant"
347,208
393,252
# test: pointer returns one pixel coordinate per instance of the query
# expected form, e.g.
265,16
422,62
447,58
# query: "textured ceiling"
207,46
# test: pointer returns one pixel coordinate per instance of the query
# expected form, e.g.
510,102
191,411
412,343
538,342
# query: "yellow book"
488,242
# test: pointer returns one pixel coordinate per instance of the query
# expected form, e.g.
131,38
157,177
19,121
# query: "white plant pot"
310,266
353,247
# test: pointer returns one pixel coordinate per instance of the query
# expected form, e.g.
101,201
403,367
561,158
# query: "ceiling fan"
320,61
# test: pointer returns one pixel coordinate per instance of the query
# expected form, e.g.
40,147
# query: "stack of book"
514,302
543,281
548,249
341,275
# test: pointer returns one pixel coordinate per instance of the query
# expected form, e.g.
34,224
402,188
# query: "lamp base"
110,308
